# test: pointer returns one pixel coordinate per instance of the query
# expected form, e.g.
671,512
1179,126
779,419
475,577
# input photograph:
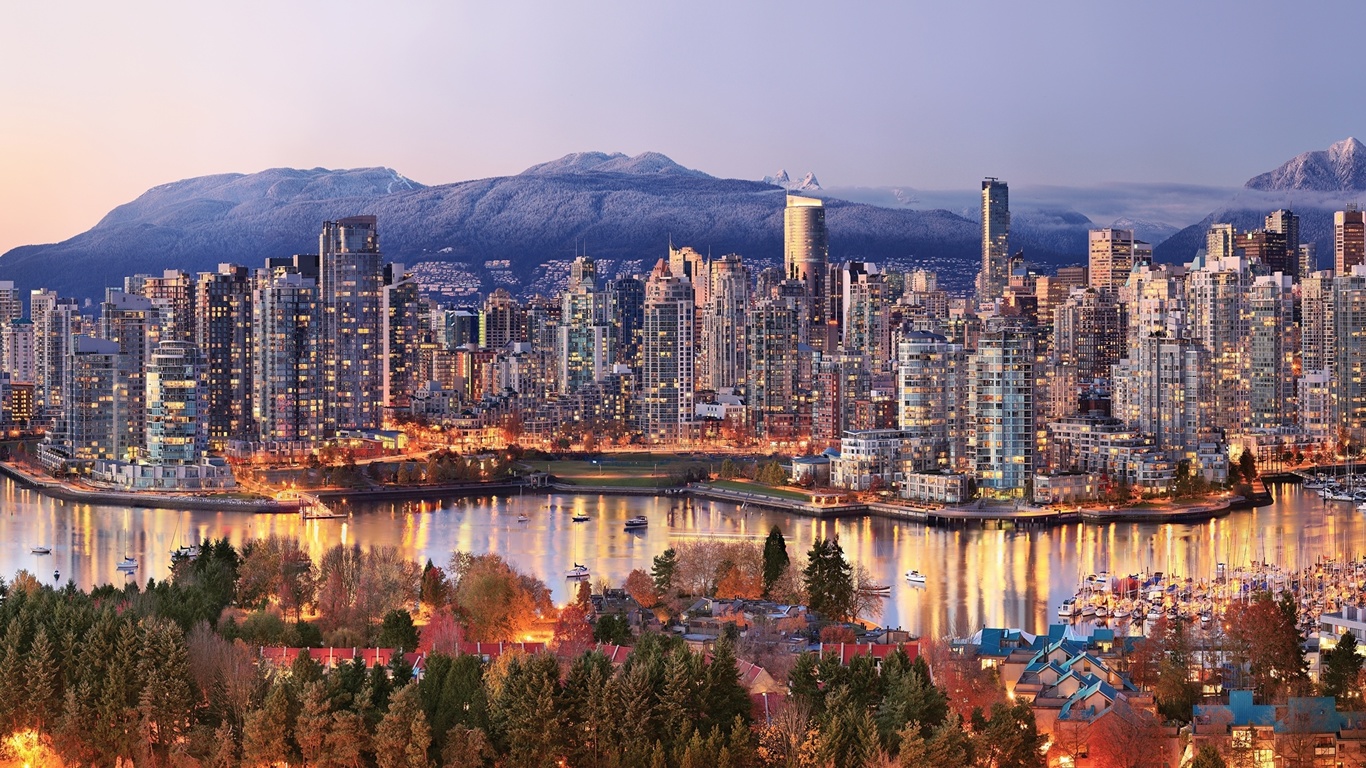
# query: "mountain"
516,231
1340,168
807,183
1314,185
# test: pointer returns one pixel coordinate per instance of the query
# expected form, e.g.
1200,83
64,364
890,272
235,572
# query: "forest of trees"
154,676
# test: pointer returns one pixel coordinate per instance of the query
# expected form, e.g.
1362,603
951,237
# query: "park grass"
782,493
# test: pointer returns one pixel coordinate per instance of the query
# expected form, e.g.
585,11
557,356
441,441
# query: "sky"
101,101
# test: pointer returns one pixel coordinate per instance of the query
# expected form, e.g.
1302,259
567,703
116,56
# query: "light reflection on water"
976,576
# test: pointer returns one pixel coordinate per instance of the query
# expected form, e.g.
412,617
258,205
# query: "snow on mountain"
807,183
780,179
644,164
1340,168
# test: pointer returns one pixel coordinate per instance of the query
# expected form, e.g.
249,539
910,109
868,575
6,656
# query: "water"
975,576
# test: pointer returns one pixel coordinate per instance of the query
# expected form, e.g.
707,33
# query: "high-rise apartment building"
175,417
55,320
1113,254
1216,295
405,331
173,294
11,302
932,396
16,340
1349,351
1285,223
1271,352
93,415
1089,333
583,342
1316,321
806,254
131,322
349,286
1002,407
773,380
1221,242
626,310
667,376
867,327
1349,240
222,329
724,320
991,281
501,322
286,387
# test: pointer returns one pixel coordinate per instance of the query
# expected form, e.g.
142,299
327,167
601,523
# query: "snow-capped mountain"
807,183
1340,168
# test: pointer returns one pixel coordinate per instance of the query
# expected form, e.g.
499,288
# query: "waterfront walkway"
57,489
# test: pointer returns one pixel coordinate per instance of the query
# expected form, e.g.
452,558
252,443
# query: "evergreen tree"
42,700
588,707
1010,738
665,565
265,738
950,746
829,580
803,683
348,737
166,698
13,687
466,748
775,557
679,707
223,753
528,714
1208,757
911,698
403,737
310,729
397,631
724,699
1340,669
848,732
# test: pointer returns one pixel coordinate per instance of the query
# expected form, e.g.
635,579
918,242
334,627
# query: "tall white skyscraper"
723,325
349,286
995,274
806,253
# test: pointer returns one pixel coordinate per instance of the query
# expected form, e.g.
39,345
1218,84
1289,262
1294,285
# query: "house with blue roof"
1308,730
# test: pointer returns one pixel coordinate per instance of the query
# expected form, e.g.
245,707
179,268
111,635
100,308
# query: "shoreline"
976,513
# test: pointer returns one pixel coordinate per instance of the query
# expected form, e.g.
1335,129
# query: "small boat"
56,575
1068,609
580,517
915,577
878,590
1102,612
639,521
1087,611
41,551
577,572
1155,613
185,553
523,519
1206,617
128,564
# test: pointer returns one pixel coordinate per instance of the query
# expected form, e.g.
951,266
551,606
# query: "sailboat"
128,564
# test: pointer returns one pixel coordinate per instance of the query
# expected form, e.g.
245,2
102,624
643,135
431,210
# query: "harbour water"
975,576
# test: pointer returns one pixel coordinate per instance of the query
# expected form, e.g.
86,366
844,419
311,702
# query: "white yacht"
577,572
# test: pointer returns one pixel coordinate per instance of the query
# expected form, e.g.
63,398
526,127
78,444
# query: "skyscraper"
402,334
131,322
16,338
583,339
1286,223
1271,355
1349,351
626,310
222,330
932,394
501,322
175,427
1002,405
173,294
991,281
54,321
806,251
771,349
1349,240
286,391
92,412
667,356
723,325
349,290
1113,253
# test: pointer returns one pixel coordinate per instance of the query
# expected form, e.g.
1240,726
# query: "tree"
1340,669
612,629
911,700
1125,737
403,737
527,711
1208,757
573,634
642,589
42,684
466,748
310,729
728,470
1247,466
772,474
665,565
265,739
829,580
1009,738
498,602
775,558
725,698
397,631
165,702
1264,643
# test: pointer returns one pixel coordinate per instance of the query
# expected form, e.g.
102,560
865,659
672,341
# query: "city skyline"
155,121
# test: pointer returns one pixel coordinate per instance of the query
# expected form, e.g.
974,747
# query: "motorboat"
1155,613
56,575
128,564
41,550
1102,612
1087,611
580,517
577,572
915,577
523,519
1068,609
639,521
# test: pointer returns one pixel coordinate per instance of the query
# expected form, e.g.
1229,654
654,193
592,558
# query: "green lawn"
637,470
783,493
